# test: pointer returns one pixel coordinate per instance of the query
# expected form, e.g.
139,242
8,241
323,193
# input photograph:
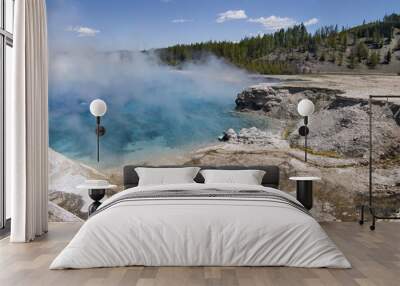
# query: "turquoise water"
152,109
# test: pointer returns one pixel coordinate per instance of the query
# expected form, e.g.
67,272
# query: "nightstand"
97,190
304,190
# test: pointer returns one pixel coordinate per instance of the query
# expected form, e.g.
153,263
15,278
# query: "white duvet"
199,231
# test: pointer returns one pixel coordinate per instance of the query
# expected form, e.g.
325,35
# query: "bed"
198,224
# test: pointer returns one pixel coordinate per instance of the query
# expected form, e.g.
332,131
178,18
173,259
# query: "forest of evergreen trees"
262,54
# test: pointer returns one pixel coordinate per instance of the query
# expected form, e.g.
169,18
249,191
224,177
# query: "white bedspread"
200,231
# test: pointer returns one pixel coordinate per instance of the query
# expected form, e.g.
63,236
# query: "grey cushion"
270,179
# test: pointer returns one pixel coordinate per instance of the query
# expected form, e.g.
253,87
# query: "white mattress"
202,232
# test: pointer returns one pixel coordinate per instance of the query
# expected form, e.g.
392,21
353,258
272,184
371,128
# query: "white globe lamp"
305,107
98,108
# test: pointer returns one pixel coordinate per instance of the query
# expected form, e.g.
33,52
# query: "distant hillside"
370,47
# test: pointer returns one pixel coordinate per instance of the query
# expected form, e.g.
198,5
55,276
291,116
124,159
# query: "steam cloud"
151,106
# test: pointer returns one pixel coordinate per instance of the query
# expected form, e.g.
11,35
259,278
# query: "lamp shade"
305,107
98,107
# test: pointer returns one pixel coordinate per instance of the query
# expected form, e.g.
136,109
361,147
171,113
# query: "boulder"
342,128
263,98
228,136
253,136
339,125
281,102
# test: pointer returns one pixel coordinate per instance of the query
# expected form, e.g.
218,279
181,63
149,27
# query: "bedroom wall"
209,112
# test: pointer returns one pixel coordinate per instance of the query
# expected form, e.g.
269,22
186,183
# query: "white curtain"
27,123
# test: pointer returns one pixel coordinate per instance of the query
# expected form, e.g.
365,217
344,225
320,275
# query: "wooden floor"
375,257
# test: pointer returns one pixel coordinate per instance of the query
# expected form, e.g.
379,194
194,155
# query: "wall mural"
228,95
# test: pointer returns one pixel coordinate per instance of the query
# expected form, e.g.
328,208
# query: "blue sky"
145,24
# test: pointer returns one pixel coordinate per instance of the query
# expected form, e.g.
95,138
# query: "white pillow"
165,176
247,177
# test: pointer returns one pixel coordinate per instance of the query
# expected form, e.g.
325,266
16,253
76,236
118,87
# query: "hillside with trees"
370,47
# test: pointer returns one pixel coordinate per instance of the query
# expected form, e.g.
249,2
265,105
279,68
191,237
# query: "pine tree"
327,43
332,57
377,37
340,59
373,60
388,57
352,59
362,51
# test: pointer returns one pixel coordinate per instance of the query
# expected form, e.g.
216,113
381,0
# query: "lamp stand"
98,137
305,138
303,131
100,131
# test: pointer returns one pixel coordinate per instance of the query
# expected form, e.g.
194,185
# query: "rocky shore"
339,126
338,146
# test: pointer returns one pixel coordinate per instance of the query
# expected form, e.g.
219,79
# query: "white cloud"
83,31
231,15
166,1
274,23
311,21
181,21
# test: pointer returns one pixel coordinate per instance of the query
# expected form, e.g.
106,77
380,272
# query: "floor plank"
375,257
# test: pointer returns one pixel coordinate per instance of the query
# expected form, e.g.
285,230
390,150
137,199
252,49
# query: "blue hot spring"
153,109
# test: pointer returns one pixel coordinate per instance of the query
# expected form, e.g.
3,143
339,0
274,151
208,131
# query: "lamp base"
96,195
